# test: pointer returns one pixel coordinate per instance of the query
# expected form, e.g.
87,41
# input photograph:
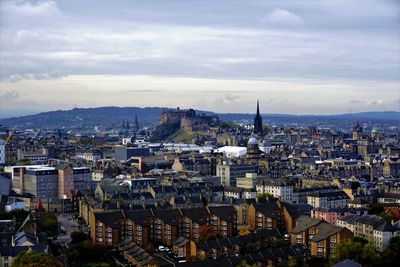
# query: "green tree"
24,161
391,255
387,216
32,258
87,252
78,237
264,196
227,125
358,250
375,209
19,215
50,224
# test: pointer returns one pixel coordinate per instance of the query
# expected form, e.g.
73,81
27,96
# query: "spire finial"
258,106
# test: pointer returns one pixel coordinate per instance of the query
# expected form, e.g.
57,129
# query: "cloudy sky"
297,57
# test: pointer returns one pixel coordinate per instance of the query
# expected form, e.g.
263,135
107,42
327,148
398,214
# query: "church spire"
136,123
258,120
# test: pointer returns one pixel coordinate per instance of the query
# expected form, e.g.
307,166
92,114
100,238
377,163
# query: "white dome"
252,141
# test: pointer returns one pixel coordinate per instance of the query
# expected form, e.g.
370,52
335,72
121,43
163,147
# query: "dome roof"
252,141
374,130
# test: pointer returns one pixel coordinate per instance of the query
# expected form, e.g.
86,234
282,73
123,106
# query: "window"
320,245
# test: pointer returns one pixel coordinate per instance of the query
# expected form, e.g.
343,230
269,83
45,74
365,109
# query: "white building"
14,204
249,181
231,151
89,156
280,190
371,227
239,193
126,141
328,200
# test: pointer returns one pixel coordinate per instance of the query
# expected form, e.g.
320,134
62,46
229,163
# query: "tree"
50,224
358,250
32,258
391,255
19,215
24,161
227,125
78,237
387,216
86,251
206,232
375,209
264,196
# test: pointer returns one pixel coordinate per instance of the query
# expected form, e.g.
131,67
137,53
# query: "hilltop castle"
188,120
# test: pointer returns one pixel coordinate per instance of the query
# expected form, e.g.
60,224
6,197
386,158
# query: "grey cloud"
9,95
283,17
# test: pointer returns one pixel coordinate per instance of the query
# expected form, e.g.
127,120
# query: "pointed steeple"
123,123
258,120
136,123
127,124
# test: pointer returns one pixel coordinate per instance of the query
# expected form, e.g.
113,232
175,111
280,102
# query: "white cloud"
29,8
51,40
220,95
284,17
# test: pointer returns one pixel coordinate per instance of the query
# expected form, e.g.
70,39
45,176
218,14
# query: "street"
68,225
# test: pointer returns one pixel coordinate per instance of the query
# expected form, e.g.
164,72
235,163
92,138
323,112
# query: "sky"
296,57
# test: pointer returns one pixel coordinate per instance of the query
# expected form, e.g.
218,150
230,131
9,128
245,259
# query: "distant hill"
113,116
107,116
373,115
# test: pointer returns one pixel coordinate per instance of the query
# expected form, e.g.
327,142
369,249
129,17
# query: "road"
70,226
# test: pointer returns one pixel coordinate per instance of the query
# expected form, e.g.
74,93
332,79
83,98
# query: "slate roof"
181,241
267,208
294,211
305,222
325,230
109,218
269,254
21,237
198,215
238,240
225,213
140,217
347,263
168,216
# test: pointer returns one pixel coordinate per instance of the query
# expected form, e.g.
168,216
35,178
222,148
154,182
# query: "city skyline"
295,57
